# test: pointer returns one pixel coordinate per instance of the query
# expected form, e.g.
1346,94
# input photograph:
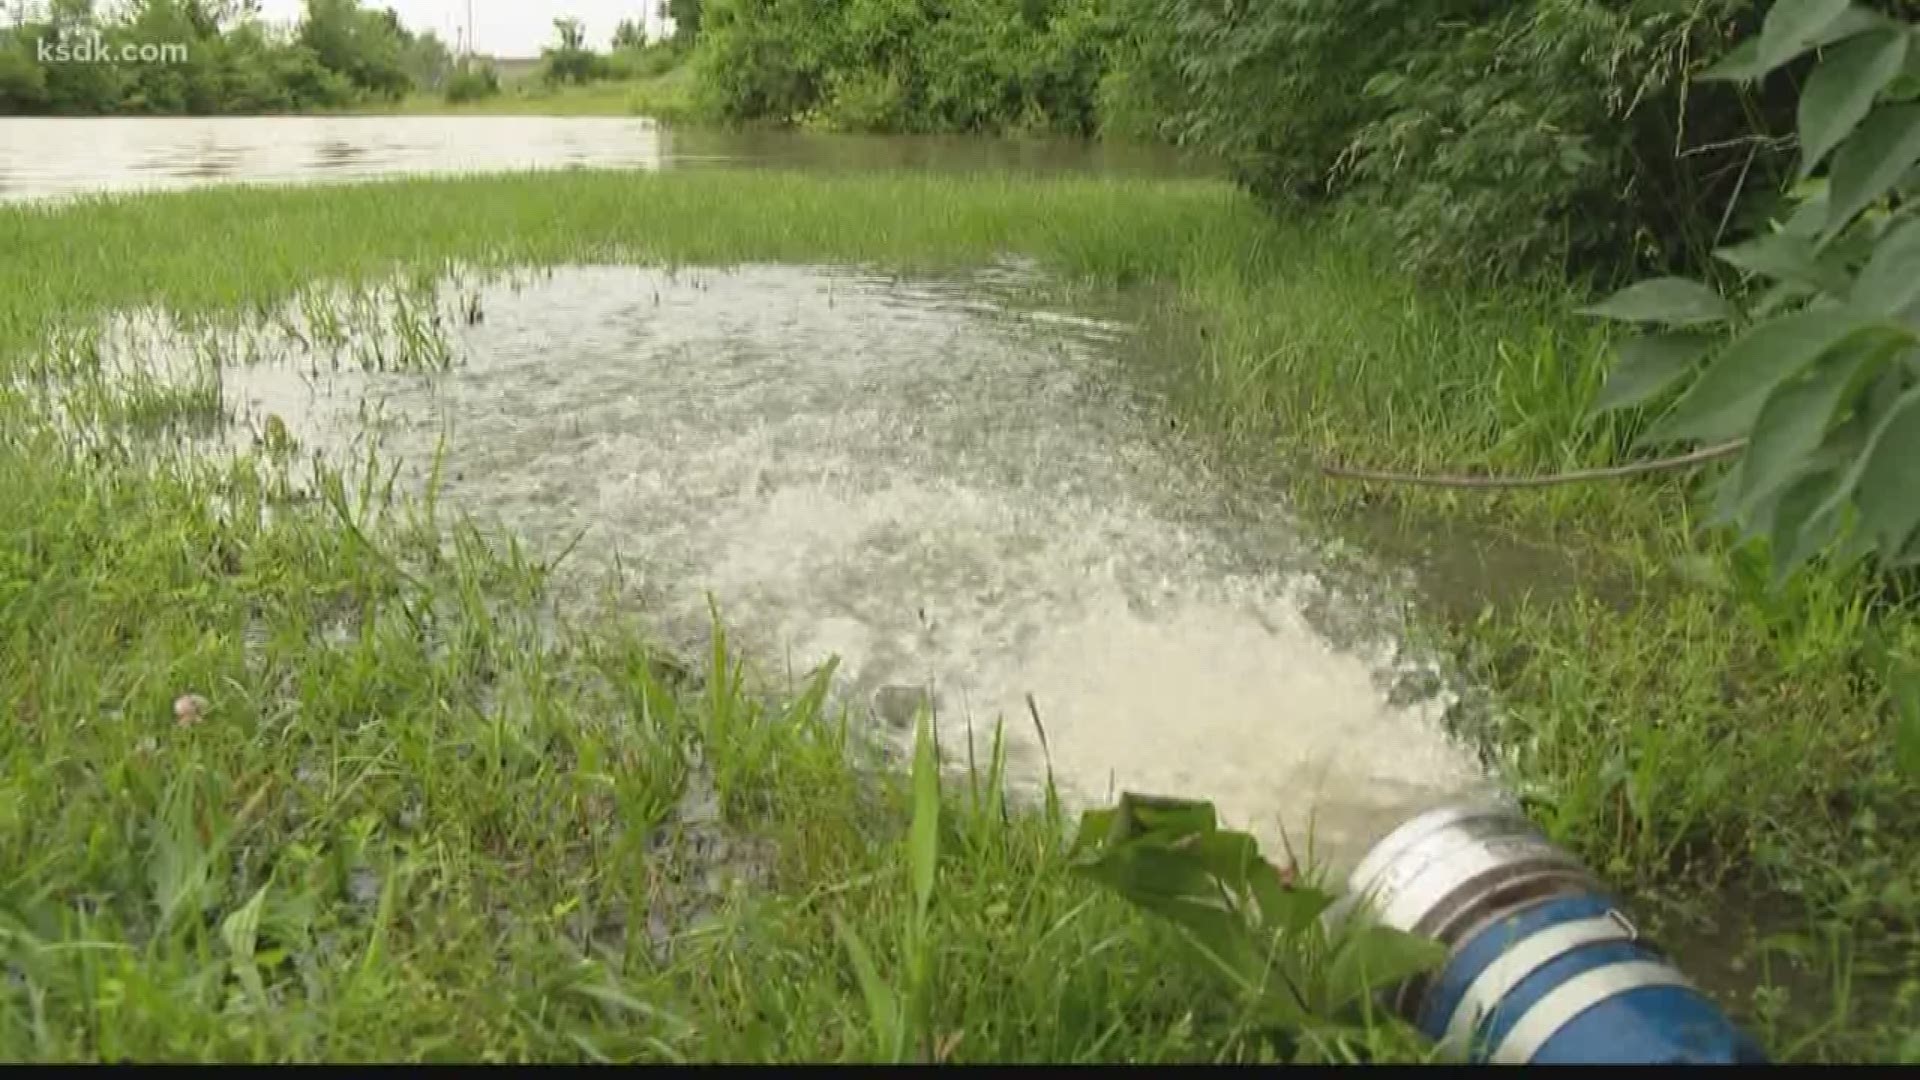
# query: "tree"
193,84
71,89
427,60
232,63
365,47
23,82
686,20
570,61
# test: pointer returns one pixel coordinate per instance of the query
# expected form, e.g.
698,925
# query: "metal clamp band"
1508,970
1575,996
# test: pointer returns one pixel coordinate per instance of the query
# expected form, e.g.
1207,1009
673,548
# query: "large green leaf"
1906,86
1376,958
1837,454
1169,857
1649,364
1727,399
1781,297
884,1010
1888,494
1725,509
1855,20
1786,256
1890,283
1795,419
1167,819
1149,870
1871,162
1172,884
1810,212
1671,300
1804,519
240,930
1842,89
1287,909
1849,457
1791,28
1742,64
1230,857
1098,828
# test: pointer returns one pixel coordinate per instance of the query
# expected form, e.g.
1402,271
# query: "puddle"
1464,568
943,482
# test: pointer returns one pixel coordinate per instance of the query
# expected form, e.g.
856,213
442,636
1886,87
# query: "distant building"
513,69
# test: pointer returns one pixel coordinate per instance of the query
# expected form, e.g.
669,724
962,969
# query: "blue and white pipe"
1542,965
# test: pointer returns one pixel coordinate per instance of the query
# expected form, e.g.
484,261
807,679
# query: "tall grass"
416,819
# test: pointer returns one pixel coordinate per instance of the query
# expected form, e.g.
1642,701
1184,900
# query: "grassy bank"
664,97
414,821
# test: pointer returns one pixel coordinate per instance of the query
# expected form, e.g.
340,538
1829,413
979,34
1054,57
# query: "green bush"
864,100
1276,90
365,46
1498,137
1819,372
644,61
474,82
1568,134
340,52
23,82
570,61
906,65
759,59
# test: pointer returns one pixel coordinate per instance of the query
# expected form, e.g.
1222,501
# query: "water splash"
935,480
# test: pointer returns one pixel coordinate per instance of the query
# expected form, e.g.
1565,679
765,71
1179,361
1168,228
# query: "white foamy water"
939,487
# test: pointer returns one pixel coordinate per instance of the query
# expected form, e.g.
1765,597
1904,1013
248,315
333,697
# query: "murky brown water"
42,158
936,481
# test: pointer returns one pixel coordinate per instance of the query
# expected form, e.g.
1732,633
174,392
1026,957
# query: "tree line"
1501,137
209,57
215,57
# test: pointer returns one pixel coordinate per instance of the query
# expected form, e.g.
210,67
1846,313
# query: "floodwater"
49,158
949,485
944,483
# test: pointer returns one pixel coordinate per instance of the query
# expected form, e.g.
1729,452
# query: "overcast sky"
510,28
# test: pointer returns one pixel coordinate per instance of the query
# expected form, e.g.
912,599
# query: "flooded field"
947,484
55,157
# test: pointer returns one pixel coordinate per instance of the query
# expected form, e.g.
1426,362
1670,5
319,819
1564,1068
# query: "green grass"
415,822
1693,732
662,97
464,819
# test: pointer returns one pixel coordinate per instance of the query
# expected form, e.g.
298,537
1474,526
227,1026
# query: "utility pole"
469,29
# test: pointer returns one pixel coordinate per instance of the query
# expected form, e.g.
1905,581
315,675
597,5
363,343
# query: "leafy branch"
1814,364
